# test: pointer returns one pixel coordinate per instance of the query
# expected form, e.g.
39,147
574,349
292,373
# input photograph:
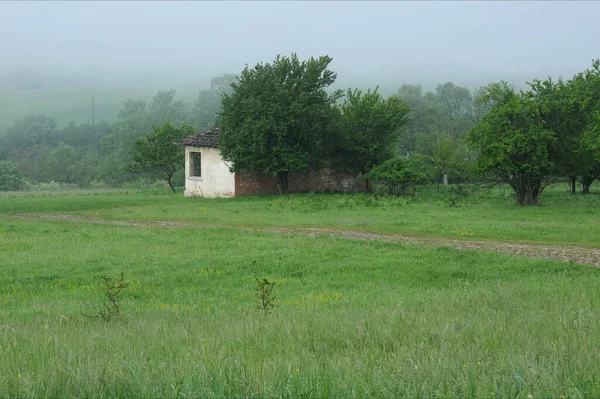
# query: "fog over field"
386,43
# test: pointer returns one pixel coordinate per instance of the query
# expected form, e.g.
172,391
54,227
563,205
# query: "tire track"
563,253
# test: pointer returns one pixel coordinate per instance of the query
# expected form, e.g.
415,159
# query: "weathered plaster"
216,179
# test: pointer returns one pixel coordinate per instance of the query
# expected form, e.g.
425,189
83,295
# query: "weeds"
264,289
111,308
264,292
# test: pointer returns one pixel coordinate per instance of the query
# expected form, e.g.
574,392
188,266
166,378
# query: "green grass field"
352,318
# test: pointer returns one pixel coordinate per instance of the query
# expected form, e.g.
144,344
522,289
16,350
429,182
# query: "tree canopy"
369,129
157,151
513,143
279,117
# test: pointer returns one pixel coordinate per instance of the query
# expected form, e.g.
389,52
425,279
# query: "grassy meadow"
351,318
435,212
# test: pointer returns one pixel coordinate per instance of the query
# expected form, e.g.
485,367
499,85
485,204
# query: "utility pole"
93,112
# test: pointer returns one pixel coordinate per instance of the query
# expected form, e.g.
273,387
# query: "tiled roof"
207,138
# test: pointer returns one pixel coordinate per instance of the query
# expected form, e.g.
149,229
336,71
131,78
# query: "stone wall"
323,180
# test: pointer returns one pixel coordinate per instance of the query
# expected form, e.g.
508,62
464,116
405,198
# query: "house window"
195,164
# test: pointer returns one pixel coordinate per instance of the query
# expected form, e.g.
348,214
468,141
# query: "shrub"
10,177
396,176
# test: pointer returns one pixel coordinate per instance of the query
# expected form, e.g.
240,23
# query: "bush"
396,176
51,186
10,177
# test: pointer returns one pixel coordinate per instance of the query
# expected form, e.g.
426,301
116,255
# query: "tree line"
35,149
280,119
283,117
529,138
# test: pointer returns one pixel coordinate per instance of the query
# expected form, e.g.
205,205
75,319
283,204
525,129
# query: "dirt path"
564,253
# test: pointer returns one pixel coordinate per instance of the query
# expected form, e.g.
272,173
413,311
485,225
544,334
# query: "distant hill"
66,95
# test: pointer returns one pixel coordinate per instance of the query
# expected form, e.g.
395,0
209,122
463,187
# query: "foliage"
10,177
31,130
158,151
512,142
208,102
568,109
585,89
449,112
278,119
425,117
50,148
369,129
396,175
63,164
444,156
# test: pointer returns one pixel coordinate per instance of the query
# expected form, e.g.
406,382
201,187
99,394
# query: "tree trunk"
572,182
283,179
368,186
528,197
445,179
527,188
170,183
586,182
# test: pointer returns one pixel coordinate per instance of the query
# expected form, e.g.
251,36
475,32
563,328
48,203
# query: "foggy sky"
406,41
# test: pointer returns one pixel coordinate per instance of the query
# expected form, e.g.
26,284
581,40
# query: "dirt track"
564,253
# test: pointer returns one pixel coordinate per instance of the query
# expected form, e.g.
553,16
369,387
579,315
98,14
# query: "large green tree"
513,142
569,109
585,89
278,119
157,151
369,130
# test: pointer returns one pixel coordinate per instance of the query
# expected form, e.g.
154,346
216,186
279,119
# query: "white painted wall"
216,179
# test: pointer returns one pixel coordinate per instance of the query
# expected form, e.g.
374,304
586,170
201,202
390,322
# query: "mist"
385,43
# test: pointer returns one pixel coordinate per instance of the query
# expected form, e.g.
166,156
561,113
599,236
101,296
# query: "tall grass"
353,319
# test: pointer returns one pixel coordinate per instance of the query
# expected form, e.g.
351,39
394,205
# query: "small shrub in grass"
111,308
264,292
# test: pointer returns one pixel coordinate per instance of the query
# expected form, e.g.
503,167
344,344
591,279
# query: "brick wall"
323,180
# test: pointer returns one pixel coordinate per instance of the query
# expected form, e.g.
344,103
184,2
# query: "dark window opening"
195,164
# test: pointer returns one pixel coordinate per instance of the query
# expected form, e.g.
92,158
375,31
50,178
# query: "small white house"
206,173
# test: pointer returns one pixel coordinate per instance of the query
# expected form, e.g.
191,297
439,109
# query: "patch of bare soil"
563,253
